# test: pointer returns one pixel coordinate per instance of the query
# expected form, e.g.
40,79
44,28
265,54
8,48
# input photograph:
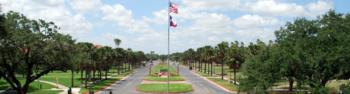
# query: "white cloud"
249,21
271,7
49,10
319,7
211,4
159,17
275,8
200,22
85,5
262,7
124,18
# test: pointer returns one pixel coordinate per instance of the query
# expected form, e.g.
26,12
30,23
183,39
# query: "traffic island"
156,81
162,88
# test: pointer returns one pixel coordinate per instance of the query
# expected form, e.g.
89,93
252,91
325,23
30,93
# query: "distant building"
98,46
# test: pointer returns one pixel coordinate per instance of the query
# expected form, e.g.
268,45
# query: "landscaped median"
155,82
176,78
159,88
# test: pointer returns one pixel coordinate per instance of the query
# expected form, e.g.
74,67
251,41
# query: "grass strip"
160,88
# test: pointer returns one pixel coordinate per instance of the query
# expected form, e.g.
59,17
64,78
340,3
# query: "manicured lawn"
158,88
45,92
101,85
3,84
224,83
177,78
335,84
63,78
35,87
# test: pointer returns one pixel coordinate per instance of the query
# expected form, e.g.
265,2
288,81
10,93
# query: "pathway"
61,87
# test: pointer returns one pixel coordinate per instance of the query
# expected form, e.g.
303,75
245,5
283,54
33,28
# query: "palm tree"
235,57
87,64
119,58
200,58
117,42
209,53
222,48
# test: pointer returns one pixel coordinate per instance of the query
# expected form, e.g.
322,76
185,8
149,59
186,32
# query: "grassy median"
159,88
177,78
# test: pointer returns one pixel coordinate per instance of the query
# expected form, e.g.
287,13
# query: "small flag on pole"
172,22
173,8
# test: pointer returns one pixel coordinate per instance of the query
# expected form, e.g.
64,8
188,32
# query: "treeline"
32,48
306,52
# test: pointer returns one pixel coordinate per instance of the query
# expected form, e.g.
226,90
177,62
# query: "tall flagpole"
168,57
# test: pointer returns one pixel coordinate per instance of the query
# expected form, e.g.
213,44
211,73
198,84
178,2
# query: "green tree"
32,47
221,50
117,42
260,70
236,55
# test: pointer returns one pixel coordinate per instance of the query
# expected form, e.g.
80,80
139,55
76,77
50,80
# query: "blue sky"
141,24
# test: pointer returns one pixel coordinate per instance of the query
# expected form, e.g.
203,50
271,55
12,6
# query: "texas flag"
172,22
173,8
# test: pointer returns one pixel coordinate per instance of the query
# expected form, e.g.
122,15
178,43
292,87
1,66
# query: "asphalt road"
200,85
128,86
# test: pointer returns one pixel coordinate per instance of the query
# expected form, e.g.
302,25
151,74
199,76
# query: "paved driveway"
200,86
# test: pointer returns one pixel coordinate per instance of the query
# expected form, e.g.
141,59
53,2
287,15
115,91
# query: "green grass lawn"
224,83
45,92
101,85
34,88
335,84
158,88
63,78
177,78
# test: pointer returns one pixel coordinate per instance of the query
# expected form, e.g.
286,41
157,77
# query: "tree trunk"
81,76
106,73
93,76
86,78
290,89
201,66
211,69
208,68
22,90
205,67
72,80
129,66
100,74
222,70
118,69
234,75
